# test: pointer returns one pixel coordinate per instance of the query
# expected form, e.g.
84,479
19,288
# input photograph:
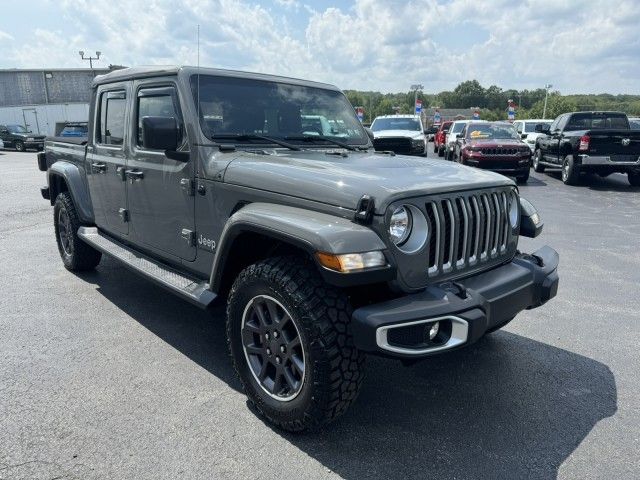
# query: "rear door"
161,189
106,160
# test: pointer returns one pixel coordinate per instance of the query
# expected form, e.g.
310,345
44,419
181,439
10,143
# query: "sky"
578,46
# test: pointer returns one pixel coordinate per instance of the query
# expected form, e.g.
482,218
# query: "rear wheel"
19,146
634,178
290,341
570,173
537,157
76,255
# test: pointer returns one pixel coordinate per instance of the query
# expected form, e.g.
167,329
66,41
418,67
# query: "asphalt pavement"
104,375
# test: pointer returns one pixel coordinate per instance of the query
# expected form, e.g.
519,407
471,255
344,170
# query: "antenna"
198,70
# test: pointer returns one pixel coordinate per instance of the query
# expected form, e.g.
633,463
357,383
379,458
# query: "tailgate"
620,145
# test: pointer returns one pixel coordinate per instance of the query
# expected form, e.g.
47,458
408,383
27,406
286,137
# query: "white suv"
402,134
527,130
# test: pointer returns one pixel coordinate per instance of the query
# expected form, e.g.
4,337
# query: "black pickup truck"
589,142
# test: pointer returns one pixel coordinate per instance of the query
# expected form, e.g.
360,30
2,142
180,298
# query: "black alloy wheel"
272,348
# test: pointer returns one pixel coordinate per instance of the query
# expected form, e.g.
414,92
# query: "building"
448,114
44,100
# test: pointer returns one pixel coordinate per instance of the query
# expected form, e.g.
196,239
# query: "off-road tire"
634,179
537,166
19,146
570,173
81,256
334,368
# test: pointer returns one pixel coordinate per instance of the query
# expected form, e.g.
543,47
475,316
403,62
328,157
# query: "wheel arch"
259,230
66,177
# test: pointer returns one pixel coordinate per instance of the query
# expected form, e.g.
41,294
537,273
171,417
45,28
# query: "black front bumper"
466,309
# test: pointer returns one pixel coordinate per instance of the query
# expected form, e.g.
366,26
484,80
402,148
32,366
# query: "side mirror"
160,133
530,222
458,135
370,133
543,128
523,136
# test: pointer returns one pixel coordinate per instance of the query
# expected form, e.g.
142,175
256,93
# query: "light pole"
90,58
546,94
415,87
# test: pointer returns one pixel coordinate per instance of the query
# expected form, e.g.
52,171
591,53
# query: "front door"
160,189
106,162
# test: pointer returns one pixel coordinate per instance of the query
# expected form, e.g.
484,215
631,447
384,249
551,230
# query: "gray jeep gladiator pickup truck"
206,182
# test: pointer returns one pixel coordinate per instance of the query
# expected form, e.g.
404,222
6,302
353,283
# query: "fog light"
433,331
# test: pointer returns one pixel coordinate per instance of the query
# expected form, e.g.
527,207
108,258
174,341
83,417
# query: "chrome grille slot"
467,230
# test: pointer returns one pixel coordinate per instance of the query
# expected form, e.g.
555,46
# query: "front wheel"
537,157
19,146
290,340
634,179
76,255
524,178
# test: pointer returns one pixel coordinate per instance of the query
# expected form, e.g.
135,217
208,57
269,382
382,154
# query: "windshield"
380,124
17,129
489,131
237,106
530,127
457,127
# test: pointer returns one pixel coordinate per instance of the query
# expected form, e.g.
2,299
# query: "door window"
110,129
157,102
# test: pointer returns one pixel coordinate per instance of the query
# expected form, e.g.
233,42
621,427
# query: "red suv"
440,138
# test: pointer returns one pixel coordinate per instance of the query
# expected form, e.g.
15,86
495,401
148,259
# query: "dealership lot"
103,375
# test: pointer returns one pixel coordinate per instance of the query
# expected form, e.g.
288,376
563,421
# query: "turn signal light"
350,262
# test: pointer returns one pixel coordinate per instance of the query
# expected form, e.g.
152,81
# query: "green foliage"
492,101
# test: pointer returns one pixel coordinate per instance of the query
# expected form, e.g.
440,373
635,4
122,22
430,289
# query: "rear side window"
111,121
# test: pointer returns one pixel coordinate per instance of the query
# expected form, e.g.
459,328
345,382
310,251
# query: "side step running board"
192,290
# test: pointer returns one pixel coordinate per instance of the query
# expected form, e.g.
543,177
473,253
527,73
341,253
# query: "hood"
342,181
398,133
28,135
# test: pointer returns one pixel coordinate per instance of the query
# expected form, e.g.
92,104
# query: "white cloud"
579,46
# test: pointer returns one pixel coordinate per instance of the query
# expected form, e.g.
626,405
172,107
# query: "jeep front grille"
467,231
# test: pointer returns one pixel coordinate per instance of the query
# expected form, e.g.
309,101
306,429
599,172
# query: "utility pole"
90,58
546,94
415,87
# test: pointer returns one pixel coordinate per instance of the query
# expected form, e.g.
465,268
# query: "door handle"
99,167
134,175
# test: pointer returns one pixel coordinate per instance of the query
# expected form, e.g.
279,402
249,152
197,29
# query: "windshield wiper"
253,136
313,138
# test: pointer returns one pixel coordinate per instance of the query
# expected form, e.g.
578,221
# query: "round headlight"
514,210
400,225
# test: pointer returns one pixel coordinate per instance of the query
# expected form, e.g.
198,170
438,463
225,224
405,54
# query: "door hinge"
188,186
123,213
189,236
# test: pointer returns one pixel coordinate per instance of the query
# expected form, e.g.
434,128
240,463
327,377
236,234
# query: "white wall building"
45,100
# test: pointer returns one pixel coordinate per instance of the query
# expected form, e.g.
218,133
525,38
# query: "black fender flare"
307,230
74,180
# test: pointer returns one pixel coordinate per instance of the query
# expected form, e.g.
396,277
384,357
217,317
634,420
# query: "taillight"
584,143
